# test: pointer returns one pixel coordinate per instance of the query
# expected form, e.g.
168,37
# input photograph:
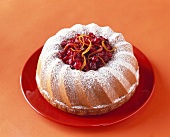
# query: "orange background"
26,25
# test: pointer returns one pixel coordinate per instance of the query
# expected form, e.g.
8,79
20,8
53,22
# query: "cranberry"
86,40
106,41
99,64
77,65
91,35
97,40
71,40
63,43
101,54
65,58
93,66
61,54
92,49
77,35
109,55
106,58
86,68
77,41
69,52
70,61
101,38
95,59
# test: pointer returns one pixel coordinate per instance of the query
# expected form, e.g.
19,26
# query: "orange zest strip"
84,62
104,46
70,44
82,41
87,50
75,50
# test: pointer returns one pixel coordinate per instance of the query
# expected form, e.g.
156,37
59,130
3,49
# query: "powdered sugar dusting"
51,65
88,80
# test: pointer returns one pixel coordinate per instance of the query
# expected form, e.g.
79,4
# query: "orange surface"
25,26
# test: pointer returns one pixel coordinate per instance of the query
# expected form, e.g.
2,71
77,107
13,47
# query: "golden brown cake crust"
87,111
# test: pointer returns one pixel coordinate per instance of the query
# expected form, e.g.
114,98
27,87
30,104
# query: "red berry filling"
86,52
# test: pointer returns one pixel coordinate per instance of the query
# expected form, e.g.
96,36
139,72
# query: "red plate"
39,104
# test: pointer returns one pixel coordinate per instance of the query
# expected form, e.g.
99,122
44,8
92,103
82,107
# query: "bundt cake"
87,70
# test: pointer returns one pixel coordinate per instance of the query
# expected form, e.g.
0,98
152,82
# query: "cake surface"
93,92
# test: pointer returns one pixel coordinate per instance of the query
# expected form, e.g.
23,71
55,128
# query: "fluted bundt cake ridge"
92,92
